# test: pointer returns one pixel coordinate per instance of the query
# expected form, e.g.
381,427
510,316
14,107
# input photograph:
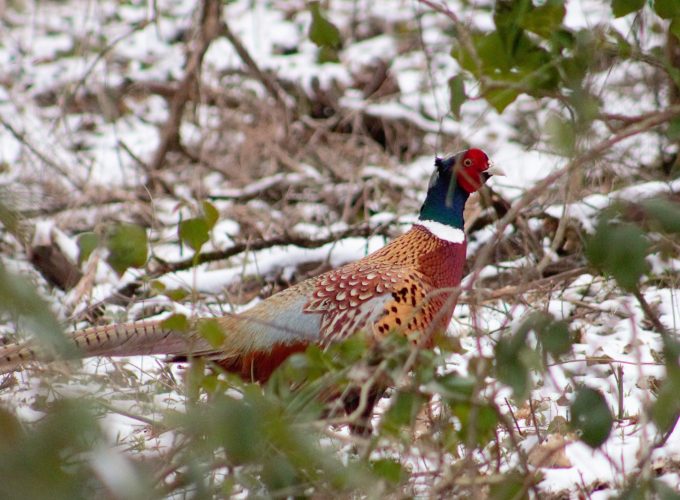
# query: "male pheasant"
407,287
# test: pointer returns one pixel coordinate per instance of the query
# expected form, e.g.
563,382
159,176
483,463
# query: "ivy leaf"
591,416
128,247
194,232
621,8
619,249
87,242
457,94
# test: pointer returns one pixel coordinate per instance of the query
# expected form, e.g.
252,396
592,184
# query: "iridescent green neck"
445,205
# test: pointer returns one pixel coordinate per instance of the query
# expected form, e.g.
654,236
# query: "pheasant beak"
494,170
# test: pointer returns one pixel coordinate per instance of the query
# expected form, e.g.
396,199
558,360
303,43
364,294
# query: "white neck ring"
443,231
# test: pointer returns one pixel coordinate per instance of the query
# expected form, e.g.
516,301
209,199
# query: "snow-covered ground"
80,113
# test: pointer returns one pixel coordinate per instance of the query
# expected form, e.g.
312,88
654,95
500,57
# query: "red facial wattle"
472,164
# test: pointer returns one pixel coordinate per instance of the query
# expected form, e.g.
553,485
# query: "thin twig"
21,137
208,30
514,419
535,422
649,313
269,83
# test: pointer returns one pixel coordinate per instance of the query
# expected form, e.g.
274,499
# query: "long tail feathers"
144,337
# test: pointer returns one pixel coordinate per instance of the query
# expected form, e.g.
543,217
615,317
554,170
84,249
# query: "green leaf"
556,338
388,469
619,249
194,232
176,294
157,286
510,366
19,297
241,429
621,8
591,416
508,16
38,462
510,63
510,488
87,242
664,213
404,409
176,323
11,429
128,247
675,28
671,353
667,9
673,130
664,491
477,422
327,55
546,19
457,94
211,331
501,98
322,32
452,388
210,214
667,405
561,134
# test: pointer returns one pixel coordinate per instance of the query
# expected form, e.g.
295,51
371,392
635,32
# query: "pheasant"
405,288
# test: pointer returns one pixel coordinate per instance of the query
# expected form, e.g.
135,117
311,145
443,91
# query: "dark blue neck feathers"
445,199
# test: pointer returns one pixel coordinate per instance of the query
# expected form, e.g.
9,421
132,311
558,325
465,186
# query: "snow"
50,49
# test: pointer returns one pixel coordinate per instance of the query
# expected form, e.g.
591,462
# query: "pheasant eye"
467,162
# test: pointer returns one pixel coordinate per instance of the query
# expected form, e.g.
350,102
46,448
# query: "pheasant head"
452,182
